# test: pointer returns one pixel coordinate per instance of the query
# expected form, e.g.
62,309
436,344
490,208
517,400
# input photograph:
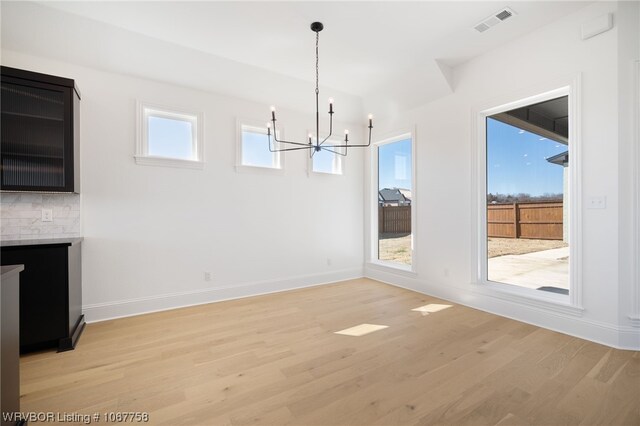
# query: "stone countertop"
9,270
41,242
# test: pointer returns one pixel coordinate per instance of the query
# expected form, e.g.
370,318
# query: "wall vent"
494,19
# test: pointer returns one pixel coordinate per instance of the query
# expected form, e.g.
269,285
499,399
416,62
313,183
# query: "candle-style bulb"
268,125
370,116
330,105
273,113
330,100
273,108
346,132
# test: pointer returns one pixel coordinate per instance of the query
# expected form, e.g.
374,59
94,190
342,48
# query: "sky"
170,138
255,149
323,161
516,161
394,165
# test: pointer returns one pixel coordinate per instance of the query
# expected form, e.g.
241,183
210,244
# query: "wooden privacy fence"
525,220
393,219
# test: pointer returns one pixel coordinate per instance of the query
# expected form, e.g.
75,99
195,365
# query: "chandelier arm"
289,142
357,146
350,146
330,128
275,138
306,145
293,149
269,139
333,151
289,149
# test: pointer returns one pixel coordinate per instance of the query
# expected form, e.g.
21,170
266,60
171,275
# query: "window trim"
560,303
260,127
391,137
311,172
634,315
142,144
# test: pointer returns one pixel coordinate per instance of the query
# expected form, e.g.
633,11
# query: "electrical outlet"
47,215
207,276
599,202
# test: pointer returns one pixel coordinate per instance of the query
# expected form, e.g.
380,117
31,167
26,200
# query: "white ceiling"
398,51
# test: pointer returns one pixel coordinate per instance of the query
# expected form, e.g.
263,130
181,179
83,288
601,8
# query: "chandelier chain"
317,38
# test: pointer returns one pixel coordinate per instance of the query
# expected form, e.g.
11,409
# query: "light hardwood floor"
275,360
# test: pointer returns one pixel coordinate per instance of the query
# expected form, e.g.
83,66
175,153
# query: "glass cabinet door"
34,136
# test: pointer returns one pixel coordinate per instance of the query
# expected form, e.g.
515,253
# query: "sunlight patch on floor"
431,308
361,330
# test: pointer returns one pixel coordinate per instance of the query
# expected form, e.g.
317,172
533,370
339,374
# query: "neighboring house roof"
406,193
561,159
394,195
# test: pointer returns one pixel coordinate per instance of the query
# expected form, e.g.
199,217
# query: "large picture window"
527,199
393,159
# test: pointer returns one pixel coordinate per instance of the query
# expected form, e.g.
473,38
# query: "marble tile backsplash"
21,216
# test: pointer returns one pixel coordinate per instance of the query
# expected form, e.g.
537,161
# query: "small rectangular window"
254,148
327,161
169,137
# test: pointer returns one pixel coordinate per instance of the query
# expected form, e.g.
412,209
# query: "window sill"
168,162
314,173
530,297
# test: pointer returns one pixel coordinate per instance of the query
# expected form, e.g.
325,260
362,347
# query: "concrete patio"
547,268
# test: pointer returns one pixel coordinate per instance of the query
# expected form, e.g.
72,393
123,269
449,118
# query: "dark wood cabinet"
50,292
40,132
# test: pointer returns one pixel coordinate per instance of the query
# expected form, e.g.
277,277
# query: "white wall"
151,232
445,238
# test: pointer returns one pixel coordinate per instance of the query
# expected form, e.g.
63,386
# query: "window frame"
146,110
388,138
340,158
561,303
261,128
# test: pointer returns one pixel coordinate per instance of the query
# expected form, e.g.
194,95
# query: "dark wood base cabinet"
50,292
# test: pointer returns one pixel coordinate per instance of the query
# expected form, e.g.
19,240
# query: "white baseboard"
143,305
629,338
613,335
607,334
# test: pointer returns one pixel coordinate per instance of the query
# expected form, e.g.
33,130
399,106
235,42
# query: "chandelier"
316,27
